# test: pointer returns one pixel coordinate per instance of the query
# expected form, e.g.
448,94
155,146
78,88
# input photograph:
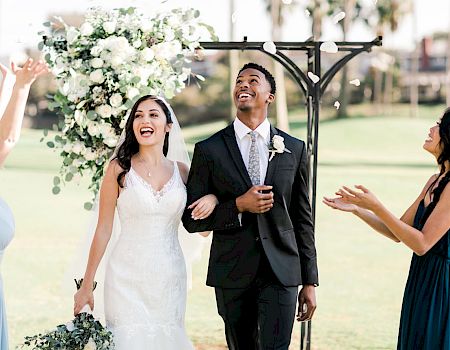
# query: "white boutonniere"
277,146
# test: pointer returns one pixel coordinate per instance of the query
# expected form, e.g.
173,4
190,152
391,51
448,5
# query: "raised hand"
26,75
362,198
340,204
203,207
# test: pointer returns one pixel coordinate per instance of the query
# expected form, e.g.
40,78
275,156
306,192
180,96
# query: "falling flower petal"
329,46
234,17
307,13
200,77
287,2
270,47
314,78
338,17
355,82
337,104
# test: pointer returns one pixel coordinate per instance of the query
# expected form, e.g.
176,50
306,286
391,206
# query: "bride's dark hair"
130,146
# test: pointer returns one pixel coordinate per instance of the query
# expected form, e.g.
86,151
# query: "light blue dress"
7,227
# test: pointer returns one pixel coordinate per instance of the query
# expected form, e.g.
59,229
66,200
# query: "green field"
362,275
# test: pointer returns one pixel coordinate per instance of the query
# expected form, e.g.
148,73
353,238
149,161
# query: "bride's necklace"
142,161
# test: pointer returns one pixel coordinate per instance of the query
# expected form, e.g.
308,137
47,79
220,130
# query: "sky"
21,20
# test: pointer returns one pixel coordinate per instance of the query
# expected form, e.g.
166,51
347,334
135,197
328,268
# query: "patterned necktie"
253,161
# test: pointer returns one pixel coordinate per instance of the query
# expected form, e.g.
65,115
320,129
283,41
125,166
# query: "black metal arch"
313,93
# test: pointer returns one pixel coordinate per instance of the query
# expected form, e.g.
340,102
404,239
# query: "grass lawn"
362,275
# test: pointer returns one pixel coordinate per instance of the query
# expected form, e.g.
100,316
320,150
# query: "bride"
145,279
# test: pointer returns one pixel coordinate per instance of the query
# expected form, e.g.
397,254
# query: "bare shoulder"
113,169
184,171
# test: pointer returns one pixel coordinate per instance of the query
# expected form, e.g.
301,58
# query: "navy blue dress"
424,322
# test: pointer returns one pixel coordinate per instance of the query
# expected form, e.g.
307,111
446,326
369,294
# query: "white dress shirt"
244,142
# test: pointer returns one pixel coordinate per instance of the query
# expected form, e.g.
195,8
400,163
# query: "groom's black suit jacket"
286,232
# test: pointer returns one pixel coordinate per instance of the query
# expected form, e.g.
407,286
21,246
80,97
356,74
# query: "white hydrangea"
147,54
109,27
132,92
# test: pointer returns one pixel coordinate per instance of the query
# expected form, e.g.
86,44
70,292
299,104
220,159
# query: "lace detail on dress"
157,194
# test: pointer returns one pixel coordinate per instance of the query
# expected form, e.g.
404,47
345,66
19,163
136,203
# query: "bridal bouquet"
102,67
83,333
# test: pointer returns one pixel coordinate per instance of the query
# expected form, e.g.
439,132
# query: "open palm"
340,204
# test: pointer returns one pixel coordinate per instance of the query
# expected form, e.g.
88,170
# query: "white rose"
86,29
116,100
89,155
132,92
146,25
137,43
96,62
109,27
71,35
117,60
90,345
147,54
278,143
97,76
110,141
93,129
104,111
67,147
96,50
78,147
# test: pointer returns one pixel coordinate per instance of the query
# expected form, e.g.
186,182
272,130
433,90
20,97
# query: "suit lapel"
272,166
230,140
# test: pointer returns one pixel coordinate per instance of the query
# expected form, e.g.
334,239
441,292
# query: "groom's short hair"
269,77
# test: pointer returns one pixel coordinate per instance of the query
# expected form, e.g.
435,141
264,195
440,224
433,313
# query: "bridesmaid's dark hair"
130,145
444,134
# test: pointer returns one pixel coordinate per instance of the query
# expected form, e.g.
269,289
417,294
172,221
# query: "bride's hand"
203,207
340,204
81,298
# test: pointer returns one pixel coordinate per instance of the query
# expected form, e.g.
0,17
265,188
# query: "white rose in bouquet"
97,62
97,76
147,54
80,117
96,50
94,129
116,100
109,27
78,147
90,155
105,111
132,92
72,35
137,43
87,29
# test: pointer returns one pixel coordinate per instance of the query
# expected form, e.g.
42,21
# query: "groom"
263,241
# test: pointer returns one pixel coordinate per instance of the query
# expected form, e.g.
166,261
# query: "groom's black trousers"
261,316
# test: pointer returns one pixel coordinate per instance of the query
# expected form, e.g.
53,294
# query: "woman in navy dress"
13,102
424,228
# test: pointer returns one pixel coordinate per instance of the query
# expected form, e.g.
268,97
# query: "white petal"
338,17
270,47
355,82
329,46
307,13
234,17
314,78
200,77
287,2
337,104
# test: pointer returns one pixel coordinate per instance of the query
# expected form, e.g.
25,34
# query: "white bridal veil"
191,244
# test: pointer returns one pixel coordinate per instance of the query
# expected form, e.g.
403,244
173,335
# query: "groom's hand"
306,303
255,201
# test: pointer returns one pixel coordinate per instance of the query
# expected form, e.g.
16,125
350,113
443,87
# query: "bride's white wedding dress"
145,280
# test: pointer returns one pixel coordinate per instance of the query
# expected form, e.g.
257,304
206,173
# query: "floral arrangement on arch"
102,68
